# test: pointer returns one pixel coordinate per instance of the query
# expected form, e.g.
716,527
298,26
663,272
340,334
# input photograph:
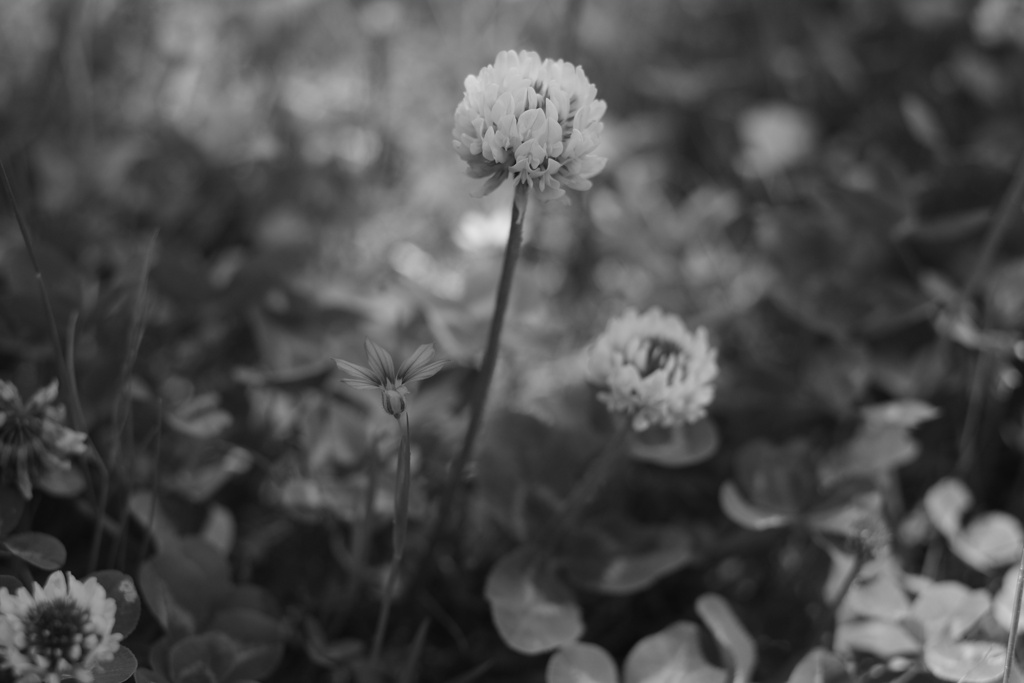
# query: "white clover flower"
652,368
33,437
62,630
538,121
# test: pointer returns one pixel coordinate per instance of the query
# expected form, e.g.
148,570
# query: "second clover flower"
536,121
652,368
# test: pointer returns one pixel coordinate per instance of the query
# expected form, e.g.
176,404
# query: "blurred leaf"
202,658
1002,602
1004,291
118,669
160,600
532,609
671,655
38,549
742,512
735,642
152,517
581,663
882,639
681,446
965,662
989,541
819,666
62,483
12,505
121,588
948,609
219,529
946,502
628,557
873,449
199,417
144,675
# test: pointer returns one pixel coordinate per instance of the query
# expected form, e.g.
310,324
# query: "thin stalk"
1009,211
101,509
1011,643
413,666
66,382
361,539
398,540
490,360
385,612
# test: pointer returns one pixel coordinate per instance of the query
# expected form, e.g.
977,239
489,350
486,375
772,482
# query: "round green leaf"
671,655
966,661
948,609
532,609
121,588
38,549
819,666
989,541
737,508
946,502
118,669
581,663
735,642
681,446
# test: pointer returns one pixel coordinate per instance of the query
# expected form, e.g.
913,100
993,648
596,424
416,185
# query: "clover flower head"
33,437
536,121
381,374
651,367
60,630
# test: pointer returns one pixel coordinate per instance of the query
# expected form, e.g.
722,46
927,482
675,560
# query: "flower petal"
44,396
359,377
419,357
426,371
380,361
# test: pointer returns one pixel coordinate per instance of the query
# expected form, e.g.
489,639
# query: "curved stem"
67,384
490,360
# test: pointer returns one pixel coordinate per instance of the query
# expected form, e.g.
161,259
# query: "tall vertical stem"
483,385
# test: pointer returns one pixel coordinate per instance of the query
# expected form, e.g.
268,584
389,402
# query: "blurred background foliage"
811,180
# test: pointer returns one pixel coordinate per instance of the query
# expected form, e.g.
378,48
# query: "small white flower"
62,630
33,437
651,367
538,121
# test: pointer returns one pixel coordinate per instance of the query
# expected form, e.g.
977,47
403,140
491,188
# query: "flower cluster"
33,438
538,121
62,630
652,368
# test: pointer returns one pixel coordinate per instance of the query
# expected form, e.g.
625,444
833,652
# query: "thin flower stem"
66,383
1007,214
490,360
398,547
101,509
1011,644
385,612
